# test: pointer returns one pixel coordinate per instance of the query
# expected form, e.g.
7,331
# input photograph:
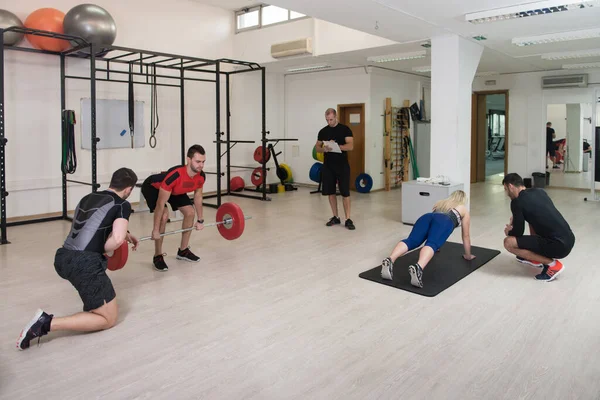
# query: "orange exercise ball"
46,19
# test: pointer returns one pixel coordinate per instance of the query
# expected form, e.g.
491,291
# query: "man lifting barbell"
173,187
99,226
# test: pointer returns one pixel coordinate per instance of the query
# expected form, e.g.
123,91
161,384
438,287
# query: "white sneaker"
387,269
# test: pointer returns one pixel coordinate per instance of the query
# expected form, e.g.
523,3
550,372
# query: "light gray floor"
494,167
282,314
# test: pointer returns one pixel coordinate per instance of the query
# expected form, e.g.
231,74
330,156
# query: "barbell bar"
226,221
230,222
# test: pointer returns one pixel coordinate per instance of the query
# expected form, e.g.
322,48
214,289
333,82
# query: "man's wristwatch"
200,221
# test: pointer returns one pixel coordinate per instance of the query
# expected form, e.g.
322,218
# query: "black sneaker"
159,263
387,269
350,224
187,255
333,221
529,262
36,328
416,275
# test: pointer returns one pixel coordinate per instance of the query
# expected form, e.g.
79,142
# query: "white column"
454,61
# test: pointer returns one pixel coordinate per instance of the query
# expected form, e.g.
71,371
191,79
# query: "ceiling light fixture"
582,66
398,57
487,73
529,10
425,68
572,54
309,68
557,37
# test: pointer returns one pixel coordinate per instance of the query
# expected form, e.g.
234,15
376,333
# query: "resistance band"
131,104
69,158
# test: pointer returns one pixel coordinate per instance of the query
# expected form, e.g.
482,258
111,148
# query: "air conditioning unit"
293,48
565,81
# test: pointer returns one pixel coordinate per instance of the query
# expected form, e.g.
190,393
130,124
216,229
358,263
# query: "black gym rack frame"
140,62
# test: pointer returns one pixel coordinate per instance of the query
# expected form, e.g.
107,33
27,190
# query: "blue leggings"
433,227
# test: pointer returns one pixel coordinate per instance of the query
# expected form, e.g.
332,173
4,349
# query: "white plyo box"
418,198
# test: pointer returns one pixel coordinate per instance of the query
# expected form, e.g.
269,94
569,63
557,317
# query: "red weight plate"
236,228
258,155
119,258
257,177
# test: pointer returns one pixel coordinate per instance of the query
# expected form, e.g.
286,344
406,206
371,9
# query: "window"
263,15
273,15
248,19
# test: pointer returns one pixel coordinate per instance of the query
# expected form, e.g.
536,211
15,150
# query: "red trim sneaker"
550,272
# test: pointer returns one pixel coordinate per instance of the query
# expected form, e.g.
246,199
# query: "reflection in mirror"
569,140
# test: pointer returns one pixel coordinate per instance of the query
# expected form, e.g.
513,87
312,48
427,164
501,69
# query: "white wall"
557,114
33,101
586,125
307,96
528,114
327,38
246,120
332,38
256,44
398,87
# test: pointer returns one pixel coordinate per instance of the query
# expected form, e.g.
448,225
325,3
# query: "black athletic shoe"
350,224
187,255
416,275
333,221
159,263
36,328
387,269
529,262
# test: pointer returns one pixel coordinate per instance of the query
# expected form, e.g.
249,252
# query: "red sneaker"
550,273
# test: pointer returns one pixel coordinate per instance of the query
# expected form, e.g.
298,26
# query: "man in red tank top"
173,187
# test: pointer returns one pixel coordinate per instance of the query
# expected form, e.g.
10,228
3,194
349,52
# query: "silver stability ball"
91,22
8,19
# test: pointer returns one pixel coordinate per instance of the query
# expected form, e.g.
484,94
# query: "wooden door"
353,116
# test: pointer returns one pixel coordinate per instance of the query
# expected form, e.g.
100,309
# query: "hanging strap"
69,158
131,104
154,119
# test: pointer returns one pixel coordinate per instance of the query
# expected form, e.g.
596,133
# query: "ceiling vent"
565,81
293,48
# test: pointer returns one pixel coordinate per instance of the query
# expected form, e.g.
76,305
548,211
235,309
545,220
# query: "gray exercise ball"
8,19
91,22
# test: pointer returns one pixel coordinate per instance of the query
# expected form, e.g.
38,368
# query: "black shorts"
551,150
86,270
151,195
332,175
551,248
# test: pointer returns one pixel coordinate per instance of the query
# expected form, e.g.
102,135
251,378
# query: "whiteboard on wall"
112,124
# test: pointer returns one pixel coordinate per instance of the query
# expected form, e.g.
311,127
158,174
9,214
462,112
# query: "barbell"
230,222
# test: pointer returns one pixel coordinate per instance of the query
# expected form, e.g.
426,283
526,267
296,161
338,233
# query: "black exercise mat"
445,269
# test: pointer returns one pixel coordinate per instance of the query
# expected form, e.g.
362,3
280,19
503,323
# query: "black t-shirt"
93,219
338,134
535,207
549,136
586,146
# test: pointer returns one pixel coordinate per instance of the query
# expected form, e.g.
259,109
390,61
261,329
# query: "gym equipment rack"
104,61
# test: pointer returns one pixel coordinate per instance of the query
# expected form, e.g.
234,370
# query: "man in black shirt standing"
336,168
99,226
550,235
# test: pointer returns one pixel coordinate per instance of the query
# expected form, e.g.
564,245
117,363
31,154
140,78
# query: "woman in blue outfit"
433,228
